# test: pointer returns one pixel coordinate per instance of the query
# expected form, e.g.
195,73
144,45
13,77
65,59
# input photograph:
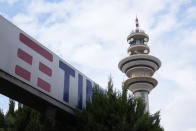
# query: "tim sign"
27,60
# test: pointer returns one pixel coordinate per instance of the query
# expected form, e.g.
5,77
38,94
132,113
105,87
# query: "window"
138,42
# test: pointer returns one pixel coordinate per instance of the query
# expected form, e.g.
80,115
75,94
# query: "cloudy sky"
91,35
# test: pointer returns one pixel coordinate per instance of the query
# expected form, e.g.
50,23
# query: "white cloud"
179,114
11,2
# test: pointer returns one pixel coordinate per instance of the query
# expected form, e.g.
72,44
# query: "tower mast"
139,66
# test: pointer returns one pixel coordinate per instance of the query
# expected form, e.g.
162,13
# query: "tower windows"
137,42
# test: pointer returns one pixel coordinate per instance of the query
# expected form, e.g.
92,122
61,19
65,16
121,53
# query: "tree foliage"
113,111
2,120
24,119
108,111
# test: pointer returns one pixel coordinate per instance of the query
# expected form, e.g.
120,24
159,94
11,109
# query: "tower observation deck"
139,66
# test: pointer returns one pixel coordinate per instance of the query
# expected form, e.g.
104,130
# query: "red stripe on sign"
25,56
45,69
37,48
43,84
23,73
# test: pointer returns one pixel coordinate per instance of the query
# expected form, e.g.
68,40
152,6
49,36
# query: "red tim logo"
26,57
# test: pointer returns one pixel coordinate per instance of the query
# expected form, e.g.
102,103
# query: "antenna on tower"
137,24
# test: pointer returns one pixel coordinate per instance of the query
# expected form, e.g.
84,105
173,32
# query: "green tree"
27,119
11,108
2,120
10,116
113,111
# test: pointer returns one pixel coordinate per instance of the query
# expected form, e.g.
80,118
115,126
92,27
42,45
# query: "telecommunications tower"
139,66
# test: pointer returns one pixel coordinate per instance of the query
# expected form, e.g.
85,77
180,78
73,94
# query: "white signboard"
26,59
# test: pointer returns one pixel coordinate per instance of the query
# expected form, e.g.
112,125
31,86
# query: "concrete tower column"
139,66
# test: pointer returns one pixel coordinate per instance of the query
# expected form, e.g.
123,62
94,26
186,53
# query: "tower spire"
139,66
137,24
